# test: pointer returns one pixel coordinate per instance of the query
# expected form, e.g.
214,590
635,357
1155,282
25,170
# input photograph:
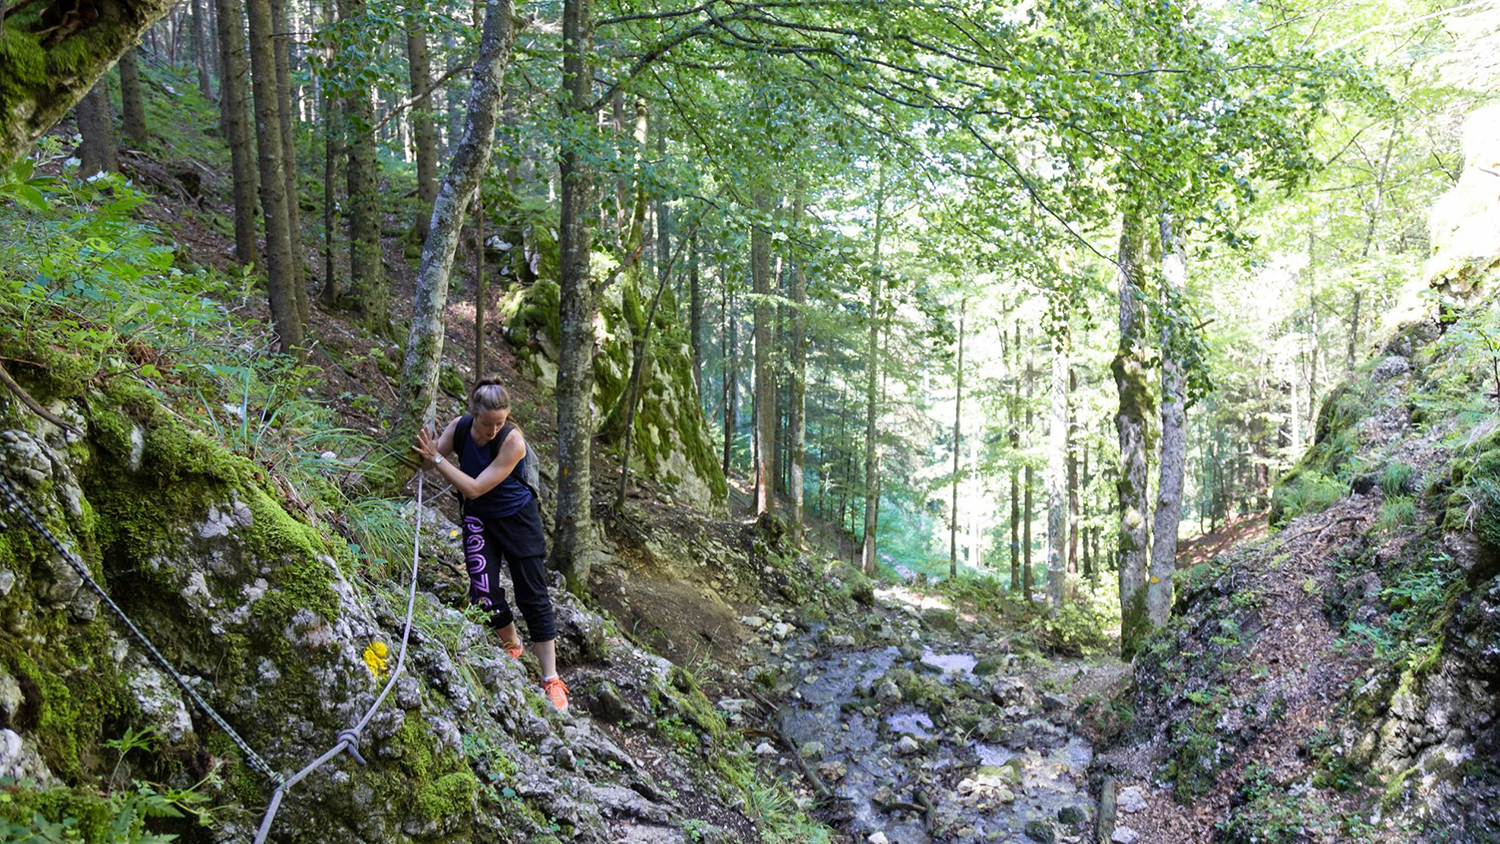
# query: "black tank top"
505,498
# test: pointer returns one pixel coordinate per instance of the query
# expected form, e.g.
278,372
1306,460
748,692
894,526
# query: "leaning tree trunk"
418,388
1056,480
32,102
286,317
695,309
572,546
423,131
765,378
1129,368
872,396
797,383
1173,429
333,152
97,151
234,101
132,102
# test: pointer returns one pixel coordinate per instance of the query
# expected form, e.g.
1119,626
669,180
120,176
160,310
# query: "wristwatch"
436,459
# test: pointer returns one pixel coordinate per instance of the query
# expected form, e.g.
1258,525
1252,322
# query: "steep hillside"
1338,680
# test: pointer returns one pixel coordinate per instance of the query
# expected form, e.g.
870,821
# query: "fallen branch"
32,403
807,771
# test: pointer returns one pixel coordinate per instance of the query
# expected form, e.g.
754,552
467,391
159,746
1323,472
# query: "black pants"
519,540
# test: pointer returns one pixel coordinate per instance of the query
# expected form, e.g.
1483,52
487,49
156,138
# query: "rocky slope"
277,624
1338,680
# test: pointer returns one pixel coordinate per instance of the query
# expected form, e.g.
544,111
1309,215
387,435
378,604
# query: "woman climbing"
501,519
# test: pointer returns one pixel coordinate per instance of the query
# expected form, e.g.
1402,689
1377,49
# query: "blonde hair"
489,394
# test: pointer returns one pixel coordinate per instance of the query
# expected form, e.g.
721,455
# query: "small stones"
811,750
877,837
781,630
1125,835
1053,702
765,749
887,691
907,746
1131,800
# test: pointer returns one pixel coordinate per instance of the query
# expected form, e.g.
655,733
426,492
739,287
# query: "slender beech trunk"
1089,570
1129,368
573,545
1353,331
1073,513
1314,345
1056,480
1012,408
726,362
765,378
418,388
98,149
797,382
132,102
201,51
1028,475
234,102
369,297
958,405
1173,430
872,398
420,115
287,112
286,317
695,309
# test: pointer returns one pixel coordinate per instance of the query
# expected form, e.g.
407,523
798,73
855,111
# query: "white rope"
348,740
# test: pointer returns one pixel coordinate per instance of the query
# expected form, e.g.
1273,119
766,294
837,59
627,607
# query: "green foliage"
1304,490
1397,478
1266,812
1396,513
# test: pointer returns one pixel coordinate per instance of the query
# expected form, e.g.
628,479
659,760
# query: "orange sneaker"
514,649
557,693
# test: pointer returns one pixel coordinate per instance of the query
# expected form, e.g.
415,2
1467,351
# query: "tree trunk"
132,102
234,102
1028,475
200,51
286,317
1353,332
1012,407
420,115
333,152
287,110
1129,369
1073,513
958,404
1056,480
1089,570
1173,429
726,360
97,150
420,368
765,379
797,382
369,296
481,289
872,398
573,546
695,309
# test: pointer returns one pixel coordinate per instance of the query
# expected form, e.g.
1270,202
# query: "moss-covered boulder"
670,442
